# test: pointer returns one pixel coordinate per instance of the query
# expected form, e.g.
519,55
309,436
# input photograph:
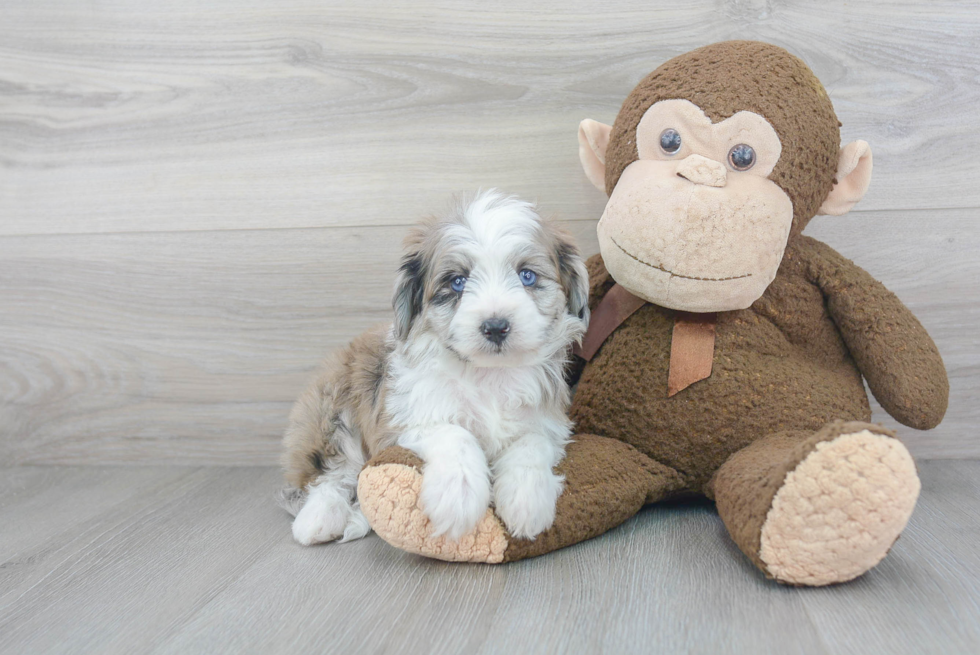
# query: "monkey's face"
700,212
695,223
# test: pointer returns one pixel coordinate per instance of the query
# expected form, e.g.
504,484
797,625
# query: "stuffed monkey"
727,351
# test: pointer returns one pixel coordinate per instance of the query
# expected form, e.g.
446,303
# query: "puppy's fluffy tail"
311,445
323,444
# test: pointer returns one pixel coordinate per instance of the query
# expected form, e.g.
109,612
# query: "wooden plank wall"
198,200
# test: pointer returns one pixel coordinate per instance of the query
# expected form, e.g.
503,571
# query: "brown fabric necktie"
692,349
615,307
692,345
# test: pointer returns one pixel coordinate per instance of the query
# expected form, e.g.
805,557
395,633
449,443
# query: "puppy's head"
493,283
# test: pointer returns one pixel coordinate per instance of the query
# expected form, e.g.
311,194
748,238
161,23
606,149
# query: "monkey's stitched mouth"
686,277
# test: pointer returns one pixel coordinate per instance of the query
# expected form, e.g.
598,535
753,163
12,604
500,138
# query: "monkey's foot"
389,488
606,482
839,511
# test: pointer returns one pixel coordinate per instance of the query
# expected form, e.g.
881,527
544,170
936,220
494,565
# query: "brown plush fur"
592,467
781,364
770,82
746,484
787,371
606,482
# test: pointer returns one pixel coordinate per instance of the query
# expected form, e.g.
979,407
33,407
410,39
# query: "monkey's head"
715,162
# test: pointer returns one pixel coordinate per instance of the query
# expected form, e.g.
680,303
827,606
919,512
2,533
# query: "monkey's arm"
600,282
894,352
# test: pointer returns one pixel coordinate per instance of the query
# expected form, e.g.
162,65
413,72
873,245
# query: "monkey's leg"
816,508
606,482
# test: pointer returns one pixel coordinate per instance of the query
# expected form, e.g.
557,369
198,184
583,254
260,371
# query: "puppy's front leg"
455,479
525,487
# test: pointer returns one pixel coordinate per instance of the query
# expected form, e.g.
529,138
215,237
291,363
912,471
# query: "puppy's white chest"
493,405
494,418
489,406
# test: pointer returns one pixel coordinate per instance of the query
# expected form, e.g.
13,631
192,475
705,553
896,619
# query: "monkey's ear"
853,178
593,138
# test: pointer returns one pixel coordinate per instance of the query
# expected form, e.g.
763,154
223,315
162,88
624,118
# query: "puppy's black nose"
495,329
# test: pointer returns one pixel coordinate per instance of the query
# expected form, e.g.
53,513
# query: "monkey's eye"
528,277
670,141
741,157
458,283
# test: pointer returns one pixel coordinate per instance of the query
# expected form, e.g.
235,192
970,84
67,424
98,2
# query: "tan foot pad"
840,510
389,495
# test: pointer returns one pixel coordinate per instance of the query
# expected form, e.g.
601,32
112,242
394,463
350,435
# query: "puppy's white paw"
455,497
327,515
525,500
357,525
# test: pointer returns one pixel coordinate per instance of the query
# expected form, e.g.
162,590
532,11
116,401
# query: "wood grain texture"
137,563
200,561
183,115
198,200
190,347
936,544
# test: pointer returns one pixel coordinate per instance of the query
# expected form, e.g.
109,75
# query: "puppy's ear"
410,286
573,275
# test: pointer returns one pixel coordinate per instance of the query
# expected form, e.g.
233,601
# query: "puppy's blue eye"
528,277
458,283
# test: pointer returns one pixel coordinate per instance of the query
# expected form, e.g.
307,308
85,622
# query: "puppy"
470,377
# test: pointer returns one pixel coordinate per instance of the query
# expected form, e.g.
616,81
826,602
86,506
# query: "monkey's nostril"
701,170
495,329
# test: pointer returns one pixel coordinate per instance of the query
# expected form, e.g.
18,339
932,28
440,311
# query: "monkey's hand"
894,352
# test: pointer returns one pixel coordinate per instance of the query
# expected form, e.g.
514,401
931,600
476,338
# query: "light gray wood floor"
192,560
